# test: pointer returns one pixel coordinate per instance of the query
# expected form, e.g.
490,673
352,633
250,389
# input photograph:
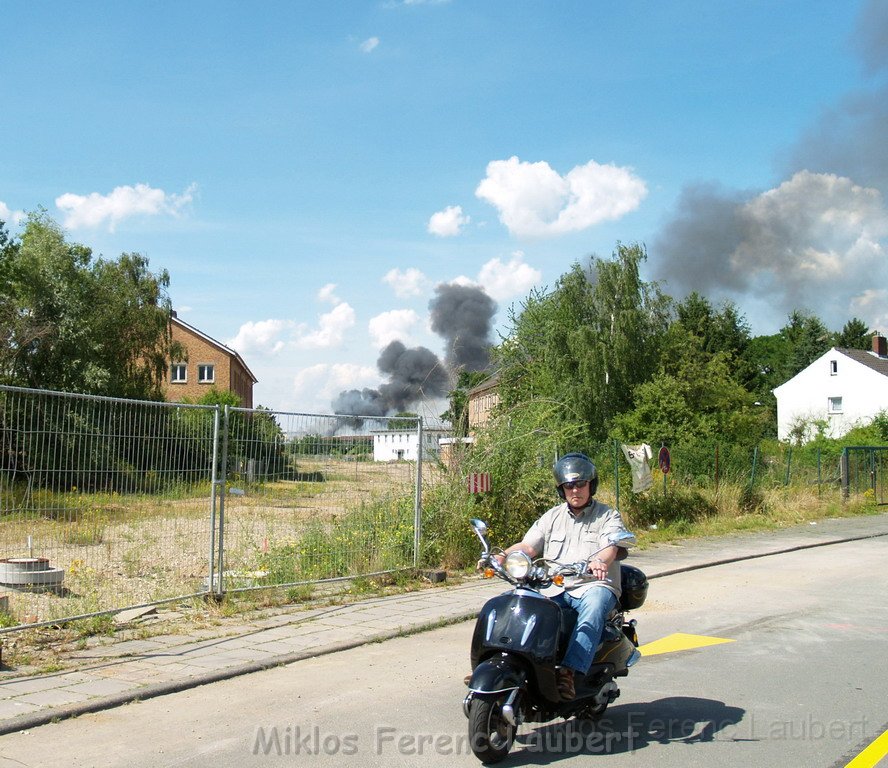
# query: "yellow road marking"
871,756
679,642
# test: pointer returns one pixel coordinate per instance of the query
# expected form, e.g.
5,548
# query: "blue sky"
309,172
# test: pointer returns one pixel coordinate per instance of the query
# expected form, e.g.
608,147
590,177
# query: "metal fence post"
417,499
222,482
846,479
211,584
755,454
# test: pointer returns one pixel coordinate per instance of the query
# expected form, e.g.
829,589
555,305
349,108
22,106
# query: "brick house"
481,402
207,363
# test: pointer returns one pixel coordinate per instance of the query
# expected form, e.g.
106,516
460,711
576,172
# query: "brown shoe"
564,677
467,679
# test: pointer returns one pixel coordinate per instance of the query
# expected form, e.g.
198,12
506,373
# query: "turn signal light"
558,580
489,573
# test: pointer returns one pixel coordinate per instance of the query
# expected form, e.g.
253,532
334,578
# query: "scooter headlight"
518,565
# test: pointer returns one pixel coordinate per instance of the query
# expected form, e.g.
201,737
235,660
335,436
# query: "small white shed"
394,445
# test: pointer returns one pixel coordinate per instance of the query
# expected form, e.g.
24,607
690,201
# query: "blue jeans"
592,608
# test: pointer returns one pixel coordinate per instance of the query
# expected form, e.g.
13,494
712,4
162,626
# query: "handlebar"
542,573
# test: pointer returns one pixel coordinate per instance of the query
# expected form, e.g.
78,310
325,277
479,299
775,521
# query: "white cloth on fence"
638,457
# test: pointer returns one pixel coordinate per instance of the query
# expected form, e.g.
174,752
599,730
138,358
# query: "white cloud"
872,303
533,200
463,280
9,216
505,281
331,329
389,326
449,222
327,294
369,45
816,242
94,210
270,337
410,282
261,337
814,231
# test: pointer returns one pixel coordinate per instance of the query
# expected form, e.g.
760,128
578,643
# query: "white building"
394,445
842,389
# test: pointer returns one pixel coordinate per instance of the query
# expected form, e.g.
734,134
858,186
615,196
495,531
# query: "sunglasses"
579,484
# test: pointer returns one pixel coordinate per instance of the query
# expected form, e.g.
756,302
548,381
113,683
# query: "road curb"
784,551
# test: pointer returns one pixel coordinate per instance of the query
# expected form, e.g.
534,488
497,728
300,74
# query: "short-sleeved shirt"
559,535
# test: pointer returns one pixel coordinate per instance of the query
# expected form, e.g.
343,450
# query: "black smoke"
813,241
413,375
849,139
463,316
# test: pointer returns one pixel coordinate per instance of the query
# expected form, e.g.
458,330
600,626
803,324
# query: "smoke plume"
463,316
816,241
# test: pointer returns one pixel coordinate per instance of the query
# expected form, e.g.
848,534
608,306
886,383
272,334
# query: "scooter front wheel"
490,734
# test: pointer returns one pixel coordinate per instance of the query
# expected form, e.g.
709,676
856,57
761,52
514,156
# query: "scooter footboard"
500,673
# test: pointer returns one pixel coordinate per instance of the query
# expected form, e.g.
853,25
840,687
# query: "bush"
679,506
376,537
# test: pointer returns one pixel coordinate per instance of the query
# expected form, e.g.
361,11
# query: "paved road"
801,684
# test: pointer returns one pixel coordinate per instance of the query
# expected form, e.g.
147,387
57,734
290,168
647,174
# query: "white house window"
178,373
833,367
835,405
206,374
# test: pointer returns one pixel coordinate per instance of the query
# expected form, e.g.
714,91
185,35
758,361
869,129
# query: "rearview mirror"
479,525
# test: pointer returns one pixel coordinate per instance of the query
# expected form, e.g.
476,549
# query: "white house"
843,388
394,445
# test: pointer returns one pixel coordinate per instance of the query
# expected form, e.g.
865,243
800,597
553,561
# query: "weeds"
102,625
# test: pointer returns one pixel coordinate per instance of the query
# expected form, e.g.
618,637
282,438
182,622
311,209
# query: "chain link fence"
107,504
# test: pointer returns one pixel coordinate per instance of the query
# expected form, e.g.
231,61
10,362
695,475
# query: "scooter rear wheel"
490,734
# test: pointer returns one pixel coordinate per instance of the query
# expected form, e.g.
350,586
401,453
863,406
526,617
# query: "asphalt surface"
110,675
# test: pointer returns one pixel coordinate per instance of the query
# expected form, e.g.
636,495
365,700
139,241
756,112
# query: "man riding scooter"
580,529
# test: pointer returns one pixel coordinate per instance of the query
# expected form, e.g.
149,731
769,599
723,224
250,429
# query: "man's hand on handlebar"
598,568
484,562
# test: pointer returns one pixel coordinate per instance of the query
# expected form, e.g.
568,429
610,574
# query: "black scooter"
521,636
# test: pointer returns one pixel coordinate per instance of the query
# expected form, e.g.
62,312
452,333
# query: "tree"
693,398
79,324
854,335
807,338
587,344
403,420
18,329
724,330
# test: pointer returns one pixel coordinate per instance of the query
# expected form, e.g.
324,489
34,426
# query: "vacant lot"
120,550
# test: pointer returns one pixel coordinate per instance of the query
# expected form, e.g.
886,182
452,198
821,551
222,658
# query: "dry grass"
127,550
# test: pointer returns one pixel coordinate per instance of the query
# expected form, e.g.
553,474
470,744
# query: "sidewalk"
118,673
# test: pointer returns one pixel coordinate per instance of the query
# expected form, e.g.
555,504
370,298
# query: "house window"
833,367
206,374
835,405
178,373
